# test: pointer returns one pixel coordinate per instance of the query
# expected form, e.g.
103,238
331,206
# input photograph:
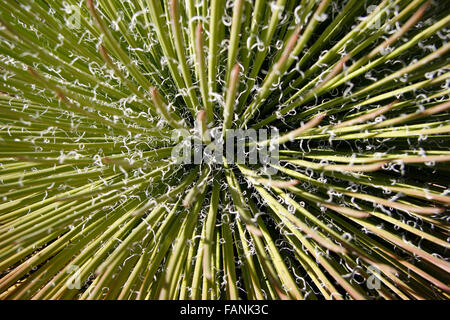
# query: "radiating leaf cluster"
93,206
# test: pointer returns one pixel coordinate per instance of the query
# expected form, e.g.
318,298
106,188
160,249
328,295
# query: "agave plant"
94,205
